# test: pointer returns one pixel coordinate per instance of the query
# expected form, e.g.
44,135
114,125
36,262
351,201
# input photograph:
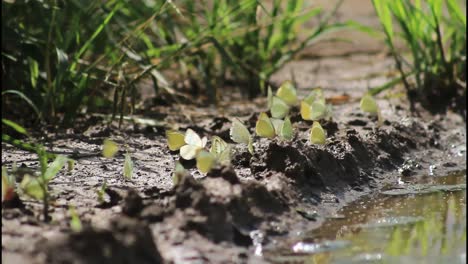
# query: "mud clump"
126,241
133,203
220,207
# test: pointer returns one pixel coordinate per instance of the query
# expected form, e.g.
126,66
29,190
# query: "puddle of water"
422,221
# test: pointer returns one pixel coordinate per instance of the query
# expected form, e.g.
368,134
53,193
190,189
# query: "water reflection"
415,228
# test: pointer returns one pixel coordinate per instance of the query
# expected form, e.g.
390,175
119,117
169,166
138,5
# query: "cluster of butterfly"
192,146
313,108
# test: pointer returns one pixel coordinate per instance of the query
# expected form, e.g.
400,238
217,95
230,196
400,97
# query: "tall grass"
62,58
434,31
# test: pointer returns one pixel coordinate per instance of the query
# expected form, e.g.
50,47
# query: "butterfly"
287,93
188,144
220,153
220,149
109,148
264,127
315,95
315,111
369,105
175,139
240,134
193,144
285,96
279,109
317,134
270,127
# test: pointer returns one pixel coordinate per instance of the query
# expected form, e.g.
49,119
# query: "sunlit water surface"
421,220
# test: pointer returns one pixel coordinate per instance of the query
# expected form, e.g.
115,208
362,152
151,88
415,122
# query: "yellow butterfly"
369,105
194,145
205,161
270,127
264,127
287,93
315,95
286,131
317,134
109,148
315,111
220,149
175,139
279,109
240,134
277,124
220,152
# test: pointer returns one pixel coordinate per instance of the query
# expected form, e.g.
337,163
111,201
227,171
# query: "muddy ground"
229,215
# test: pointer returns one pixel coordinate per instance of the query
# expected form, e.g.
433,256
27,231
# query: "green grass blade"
18,128
26,99
95,34
456,12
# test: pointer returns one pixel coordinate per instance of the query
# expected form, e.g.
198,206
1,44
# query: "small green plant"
36,186
101,192
75,222
33,184
179,173
435,33
8,185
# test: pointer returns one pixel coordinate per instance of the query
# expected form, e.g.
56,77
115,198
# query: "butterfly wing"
218,145
269,97
368,104
317,134
315,95
287,93
318,110
239,133
277,124
109,148
205,161
225,156
306,111
286,129
192,138
264,127
175,139
279,109
189,152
